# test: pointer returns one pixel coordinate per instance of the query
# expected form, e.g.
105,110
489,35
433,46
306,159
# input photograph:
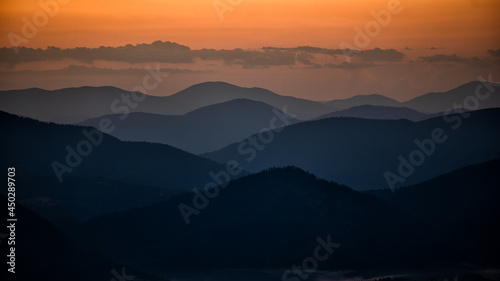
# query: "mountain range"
202,130
112,175
75,105
434,102
226,182
359,152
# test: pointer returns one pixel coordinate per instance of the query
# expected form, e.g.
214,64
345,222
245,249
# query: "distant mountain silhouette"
73,105
33,147
379,112
377,100
428,103
207,93
203,130
440,102
461,206
66,106
358,152
270,219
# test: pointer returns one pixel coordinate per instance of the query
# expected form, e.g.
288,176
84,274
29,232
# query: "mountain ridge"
35,146
77,104
378,112
359,152
199,131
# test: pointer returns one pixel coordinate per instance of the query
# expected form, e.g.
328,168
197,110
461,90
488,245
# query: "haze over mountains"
433,102
74,105
203,130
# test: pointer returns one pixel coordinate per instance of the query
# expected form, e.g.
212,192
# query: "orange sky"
467,26
423,28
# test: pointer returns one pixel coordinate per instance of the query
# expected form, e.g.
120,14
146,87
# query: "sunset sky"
442,43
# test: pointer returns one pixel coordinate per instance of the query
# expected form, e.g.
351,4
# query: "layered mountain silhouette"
75,105
433,102
65,106
114,176
465,96
359,152
217,92
203,130
379,112
91,202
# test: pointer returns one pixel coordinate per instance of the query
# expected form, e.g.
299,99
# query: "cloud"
304,58
377,54
346,65
247,58
494,53
158,51
308,50
163,52
85,70
168,52
434,48
441,58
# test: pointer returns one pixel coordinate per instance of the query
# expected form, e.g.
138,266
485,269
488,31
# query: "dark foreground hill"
462,206
272,219
43,252
276,218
